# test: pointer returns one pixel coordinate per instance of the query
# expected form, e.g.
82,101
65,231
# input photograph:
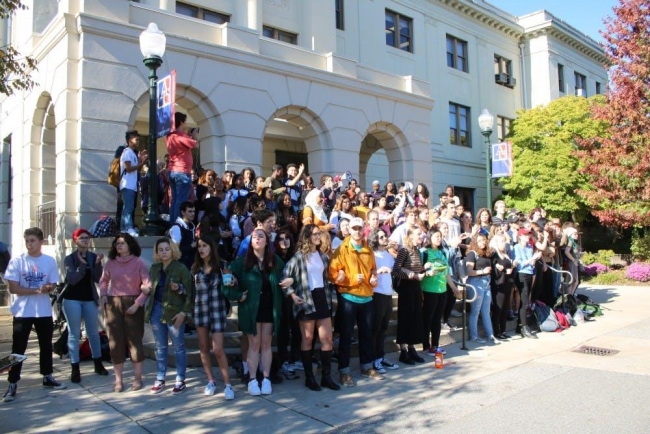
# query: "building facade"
387,89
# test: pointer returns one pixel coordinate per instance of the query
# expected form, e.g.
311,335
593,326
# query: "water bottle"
439,360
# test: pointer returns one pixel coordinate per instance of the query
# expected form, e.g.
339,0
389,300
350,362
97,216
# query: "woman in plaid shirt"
305,281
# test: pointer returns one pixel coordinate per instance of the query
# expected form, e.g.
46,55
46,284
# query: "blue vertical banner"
166,87
501,159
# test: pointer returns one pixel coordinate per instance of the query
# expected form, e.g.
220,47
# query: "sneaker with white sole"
229,393
210,388
10,394
179,388
50,381
389,365
297,366
477,340
441,350
158,387
267,389
377,365
254,388
493,340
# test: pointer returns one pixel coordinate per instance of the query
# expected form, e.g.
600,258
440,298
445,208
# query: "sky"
585,15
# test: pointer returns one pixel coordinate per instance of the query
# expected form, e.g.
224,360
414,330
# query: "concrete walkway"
455,391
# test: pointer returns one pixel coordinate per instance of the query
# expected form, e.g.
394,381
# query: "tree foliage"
546,166
15,70
618,162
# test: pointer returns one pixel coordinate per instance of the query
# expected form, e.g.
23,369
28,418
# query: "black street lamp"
486,122
152,46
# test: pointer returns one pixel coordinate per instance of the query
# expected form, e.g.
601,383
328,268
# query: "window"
340,18
503,127
44,13
560,77
466,198
459,122
398,31
280,35
581,84
457,54
503,71
201,13
598,90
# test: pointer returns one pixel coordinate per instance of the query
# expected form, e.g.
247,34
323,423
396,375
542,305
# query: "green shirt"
438,282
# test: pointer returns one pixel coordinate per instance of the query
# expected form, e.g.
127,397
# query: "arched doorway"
382,156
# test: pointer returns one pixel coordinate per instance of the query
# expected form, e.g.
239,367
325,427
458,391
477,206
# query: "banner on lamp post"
501,159
166,88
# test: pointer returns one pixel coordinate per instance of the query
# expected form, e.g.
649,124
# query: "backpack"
545,317
104,227
570,302
531,320
60,347
114,175
590,307
562,320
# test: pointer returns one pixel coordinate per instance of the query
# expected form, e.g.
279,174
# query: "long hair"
250,260
252,174
338,206
213,260
134,247
478,216
373,238
407,239
176,253
430,233
425,190
325,243
284,231
304,239
473,245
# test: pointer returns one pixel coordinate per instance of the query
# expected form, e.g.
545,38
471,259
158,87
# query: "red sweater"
179,147
123,277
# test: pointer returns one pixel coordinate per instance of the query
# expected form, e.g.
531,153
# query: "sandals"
136,385
118,387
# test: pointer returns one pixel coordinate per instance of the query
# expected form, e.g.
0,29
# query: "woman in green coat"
257,278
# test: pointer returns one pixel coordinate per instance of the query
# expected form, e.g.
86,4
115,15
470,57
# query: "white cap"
375,182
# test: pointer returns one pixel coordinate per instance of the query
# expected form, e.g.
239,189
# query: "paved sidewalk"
92,406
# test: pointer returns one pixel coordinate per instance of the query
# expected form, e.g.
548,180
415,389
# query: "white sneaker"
477,340
254,388
266,387
378,367
493,340
132,232
229,392
210,389
297,366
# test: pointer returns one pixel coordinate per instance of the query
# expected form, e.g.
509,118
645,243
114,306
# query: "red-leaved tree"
619,163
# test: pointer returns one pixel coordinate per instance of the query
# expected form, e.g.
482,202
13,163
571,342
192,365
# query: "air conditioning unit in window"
581,92
512,82
501,78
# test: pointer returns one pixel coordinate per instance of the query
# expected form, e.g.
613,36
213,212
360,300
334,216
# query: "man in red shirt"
179,147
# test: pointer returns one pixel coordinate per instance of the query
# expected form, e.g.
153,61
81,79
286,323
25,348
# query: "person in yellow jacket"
354,271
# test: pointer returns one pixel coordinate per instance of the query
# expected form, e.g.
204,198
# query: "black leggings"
383,307
524,283
449,304
432,309
22,327
500,307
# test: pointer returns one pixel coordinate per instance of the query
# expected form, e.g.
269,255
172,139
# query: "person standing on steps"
80,300
179,147
305,282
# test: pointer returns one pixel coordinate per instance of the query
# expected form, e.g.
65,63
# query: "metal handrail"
556,270
465,300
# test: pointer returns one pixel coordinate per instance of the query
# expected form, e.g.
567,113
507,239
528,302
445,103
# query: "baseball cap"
523,231
375,182
356,222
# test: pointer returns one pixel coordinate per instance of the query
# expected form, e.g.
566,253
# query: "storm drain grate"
596,351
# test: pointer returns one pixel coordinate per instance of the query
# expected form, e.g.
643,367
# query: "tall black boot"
75,375
99,368
326,370
310,380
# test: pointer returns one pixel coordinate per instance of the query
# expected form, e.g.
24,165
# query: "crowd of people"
305,263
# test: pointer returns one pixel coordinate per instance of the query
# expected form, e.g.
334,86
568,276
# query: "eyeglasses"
315,234
283,239
120,243
382,237
83,238
356,228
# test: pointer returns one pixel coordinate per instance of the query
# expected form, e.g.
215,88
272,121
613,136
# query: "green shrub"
588,258
640,247
609,278
605,256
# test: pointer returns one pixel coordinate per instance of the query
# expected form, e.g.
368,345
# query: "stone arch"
297,129
383,154
41,165
201,113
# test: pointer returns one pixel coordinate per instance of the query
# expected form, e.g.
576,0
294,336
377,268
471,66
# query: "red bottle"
439,361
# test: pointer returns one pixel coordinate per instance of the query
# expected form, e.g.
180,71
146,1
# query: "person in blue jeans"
131,162
80,300
479,268
179,147
170,302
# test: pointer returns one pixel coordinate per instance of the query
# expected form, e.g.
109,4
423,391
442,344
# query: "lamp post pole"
486,122
152,45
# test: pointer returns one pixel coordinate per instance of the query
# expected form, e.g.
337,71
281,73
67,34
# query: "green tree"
15,70
546,167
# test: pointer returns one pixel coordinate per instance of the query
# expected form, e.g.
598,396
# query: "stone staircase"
232,339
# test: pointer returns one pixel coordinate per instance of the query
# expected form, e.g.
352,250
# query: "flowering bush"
594,269
638,271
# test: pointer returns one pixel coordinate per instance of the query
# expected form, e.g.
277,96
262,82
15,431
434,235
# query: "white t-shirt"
129,179
32,272
385,281
454,229
315,269
399,234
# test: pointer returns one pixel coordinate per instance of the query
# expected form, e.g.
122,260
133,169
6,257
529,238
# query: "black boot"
310,380
525,332
75,375
415,356
99,368
326,371
405,358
